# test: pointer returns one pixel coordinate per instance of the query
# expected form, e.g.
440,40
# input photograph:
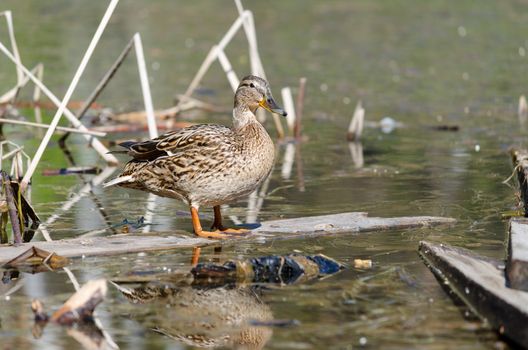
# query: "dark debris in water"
268,269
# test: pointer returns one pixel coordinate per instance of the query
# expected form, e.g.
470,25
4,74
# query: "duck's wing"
196,136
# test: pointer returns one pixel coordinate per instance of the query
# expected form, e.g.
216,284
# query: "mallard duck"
208,164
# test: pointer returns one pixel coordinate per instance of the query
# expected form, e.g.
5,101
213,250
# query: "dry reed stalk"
94,142
228,69
355,129
9,96
287,99
299,109
14,47
59,128
69,92
145,87
101,85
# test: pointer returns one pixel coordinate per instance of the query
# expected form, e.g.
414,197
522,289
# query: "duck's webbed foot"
218,231
217,224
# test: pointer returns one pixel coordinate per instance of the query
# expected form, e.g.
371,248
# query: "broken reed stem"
213,54
10,96
94,142
11,207
355,129
101,85
71,88
14,47
287,99
228,69
299,108
145,87
36,93
46,126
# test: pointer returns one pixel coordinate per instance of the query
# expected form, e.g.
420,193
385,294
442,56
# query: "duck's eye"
252,85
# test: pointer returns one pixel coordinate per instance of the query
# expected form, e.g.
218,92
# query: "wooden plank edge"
502,316
517,269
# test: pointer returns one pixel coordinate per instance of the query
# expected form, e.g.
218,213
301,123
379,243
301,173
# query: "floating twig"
71,170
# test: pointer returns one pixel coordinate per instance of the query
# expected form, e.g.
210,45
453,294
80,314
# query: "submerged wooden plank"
480,282
277,229
517,263
116,244
346,222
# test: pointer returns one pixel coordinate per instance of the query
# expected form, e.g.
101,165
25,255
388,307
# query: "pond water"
423,64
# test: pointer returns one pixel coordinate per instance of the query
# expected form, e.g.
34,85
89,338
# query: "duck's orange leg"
200,232
217,224
195,256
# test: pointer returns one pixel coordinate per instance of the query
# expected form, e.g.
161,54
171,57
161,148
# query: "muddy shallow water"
422,64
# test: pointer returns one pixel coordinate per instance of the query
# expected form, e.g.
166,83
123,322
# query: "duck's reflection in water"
204,317
219,305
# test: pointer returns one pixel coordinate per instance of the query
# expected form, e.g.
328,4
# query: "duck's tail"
118,180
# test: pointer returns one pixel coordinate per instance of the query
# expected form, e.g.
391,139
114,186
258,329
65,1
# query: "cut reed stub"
79,307
355,128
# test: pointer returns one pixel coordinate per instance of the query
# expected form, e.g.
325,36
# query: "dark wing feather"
177,141
145,150
194,136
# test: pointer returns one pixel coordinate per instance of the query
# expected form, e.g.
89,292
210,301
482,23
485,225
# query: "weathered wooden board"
480,282
517,263
278,229
346,222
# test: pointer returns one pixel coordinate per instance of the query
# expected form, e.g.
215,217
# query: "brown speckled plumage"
207,164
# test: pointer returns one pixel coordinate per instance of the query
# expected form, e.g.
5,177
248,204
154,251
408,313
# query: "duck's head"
254,92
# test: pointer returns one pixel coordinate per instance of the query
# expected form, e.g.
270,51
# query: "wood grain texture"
481,284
